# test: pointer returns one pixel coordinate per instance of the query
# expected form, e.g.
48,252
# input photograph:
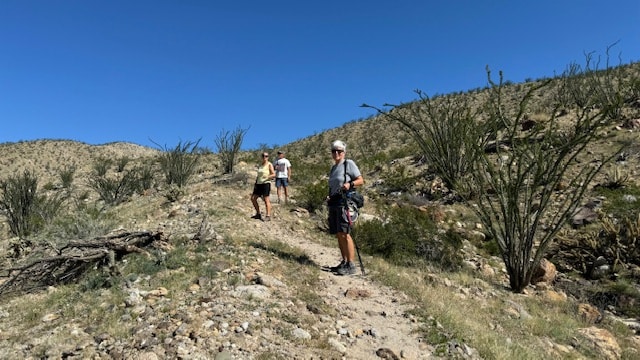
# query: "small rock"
337,345
357,293
50,317
387,354
301,334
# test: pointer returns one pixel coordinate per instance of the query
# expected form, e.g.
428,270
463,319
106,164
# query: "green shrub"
144,177
398,180
616,203
409,237
228,144
306,172
312,197
179,163
115,190
85,224
48,186
66,176
101,166
19,201
121,163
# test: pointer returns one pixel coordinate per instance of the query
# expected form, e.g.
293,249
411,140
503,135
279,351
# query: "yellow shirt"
263,174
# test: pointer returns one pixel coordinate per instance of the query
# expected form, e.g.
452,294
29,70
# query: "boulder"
545,272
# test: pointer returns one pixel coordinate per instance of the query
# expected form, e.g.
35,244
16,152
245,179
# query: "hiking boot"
257,216
337,267
349,268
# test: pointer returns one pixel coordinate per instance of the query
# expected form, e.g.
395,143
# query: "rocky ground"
358,318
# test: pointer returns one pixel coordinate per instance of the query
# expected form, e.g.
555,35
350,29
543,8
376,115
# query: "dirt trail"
376,312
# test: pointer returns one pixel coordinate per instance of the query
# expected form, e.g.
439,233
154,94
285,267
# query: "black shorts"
262,189
337,222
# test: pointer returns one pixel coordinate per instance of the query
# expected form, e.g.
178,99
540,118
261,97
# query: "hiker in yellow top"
262,187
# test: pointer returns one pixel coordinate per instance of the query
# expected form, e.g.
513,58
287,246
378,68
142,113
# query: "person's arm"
289,173
272,171
351,185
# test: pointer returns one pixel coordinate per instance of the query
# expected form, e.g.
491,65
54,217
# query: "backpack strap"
345,173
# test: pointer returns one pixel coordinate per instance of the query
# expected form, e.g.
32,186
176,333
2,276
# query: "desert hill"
186,273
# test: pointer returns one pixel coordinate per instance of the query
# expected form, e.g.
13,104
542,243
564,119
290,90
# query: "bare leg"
267,203
343,243
254,201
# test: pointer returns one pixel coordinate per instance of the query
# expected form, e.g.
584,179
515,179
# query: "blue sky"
162,71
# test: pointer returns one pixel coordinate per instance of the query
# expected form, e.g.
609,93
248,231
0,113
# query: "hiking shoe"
337,267
267,218
349,268
257,216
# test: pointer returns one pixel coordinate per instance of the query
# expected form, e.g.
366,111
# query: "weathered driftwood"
70,261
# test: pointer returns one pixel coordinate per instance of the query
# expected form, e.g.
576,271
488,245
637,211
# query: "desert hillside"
116,268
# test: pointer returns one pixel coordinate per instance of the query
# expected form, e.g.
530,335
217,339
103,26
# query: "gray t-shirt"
336,176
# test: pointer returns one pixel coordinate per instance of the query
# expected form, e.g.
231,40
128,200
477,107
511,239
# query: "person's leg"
279,191
343,245
348,267
254,201
267,204
286,194
351,250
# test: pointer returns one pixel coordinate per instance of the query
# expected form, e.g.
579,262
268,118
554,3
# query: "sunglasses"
265,155
337,151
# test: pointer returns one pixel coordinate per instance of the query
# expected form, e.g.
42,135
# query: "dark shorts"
282,182
262,189
337,222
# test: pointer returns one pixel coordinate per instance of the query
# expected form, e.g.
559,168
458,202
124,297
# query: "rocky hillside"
212,283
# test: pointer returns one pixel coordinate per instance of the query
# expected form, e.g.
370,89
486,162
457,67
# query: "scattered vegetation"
26,209
179,163
407,237
511,168
228,144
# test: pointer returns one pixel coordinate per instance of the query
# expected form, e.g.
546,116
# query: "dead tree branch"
72,260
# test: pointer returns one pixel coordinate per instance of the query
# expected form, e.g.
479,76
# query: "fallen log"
73,259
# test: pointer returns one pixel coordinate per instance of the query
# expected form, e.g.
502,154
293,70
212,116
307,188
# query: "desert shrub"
620,201
144,177
408,237
615,178
49,207
445,130
228,144
313,196
96,279
49,186
519,170
612,242
121,163
174,193
179,163
101,166
620,241
305,172
114,190
399,180
86,223
621,295
19,202
66,176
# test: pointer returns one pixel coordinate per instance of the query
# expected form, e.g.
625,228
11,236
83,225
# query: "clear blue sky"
100,71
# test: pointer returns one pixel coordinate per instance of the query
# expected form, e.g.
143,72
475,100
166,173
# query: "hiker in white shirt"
283,175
